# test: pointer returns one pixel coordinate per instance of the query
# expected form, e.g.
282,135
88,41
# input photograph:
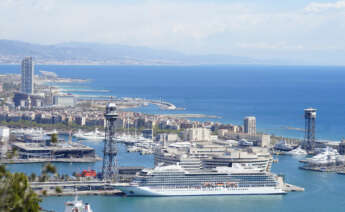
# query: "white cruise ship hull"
149,191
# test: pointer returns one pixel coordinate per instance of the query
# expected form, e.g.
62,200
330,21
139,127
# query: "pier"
67,188
337,169
190,116
91,192
164,105
51,160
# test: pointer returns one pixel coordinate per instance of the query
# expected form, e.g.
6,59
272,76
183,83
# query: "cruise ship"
174,180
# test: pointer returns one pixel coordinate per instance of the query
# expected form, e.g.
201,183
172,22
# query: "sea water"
276,95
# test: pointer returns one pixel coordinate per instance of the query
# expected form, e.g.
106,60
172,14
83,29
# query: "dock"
67,188
337,169
80,193
51,160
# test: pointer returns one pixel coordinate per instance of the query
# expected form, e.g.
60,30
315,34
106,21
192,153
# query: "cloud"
243,28
320,7
272,46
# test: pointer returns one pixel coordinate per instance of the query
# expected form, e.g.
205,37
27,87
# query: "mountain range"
11,52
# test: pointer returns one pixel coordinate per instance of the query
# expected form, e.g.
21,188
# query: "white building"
4,132
250,125
65,101
27,76
4,137
167,138
197,134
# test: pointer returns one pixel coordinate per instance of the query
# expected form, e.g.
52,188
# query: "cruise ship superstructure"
210,157
174,180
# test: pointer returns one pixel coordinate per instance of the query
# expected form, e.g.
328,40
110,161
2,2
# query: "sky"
301,31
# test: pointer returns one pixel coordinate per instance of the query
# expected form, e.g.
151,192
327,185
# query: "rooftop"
57,147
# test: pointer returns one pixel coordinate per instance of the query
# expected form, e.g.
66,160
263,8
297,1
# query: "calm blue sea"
276,95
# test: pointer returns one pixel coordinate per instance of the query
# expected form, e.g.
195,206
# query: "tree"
32,177
16,194
58,190
12,154
49,169
54,138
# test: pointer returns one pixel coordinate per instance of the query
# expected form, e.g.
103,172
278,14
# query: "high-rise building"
250,125
27,85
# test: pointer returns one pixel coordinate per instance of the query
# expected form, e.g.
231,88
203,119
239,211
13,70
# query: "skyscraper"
250,125
27,85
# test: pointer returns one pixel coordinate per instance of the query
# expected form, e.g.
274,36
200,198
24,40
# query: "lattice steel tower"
109,170
309,136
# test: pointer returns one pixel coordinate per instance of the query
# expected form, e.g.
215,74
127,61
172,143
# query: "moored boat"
77,206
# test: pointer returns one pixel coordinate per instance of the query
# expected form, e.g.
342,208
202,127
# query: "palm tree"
49,169
32,177
12,154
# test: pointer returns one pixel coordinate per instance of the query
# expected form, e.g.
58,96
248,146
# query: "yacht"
327,156
244,142
95,135
283,146
77,206
174,180
297,151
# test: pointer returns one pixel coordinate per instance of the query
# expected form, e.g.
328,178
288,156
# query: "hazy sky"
290,29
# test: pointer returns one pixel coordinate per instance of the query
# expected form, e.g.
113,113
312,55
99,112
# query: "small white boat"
77,206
